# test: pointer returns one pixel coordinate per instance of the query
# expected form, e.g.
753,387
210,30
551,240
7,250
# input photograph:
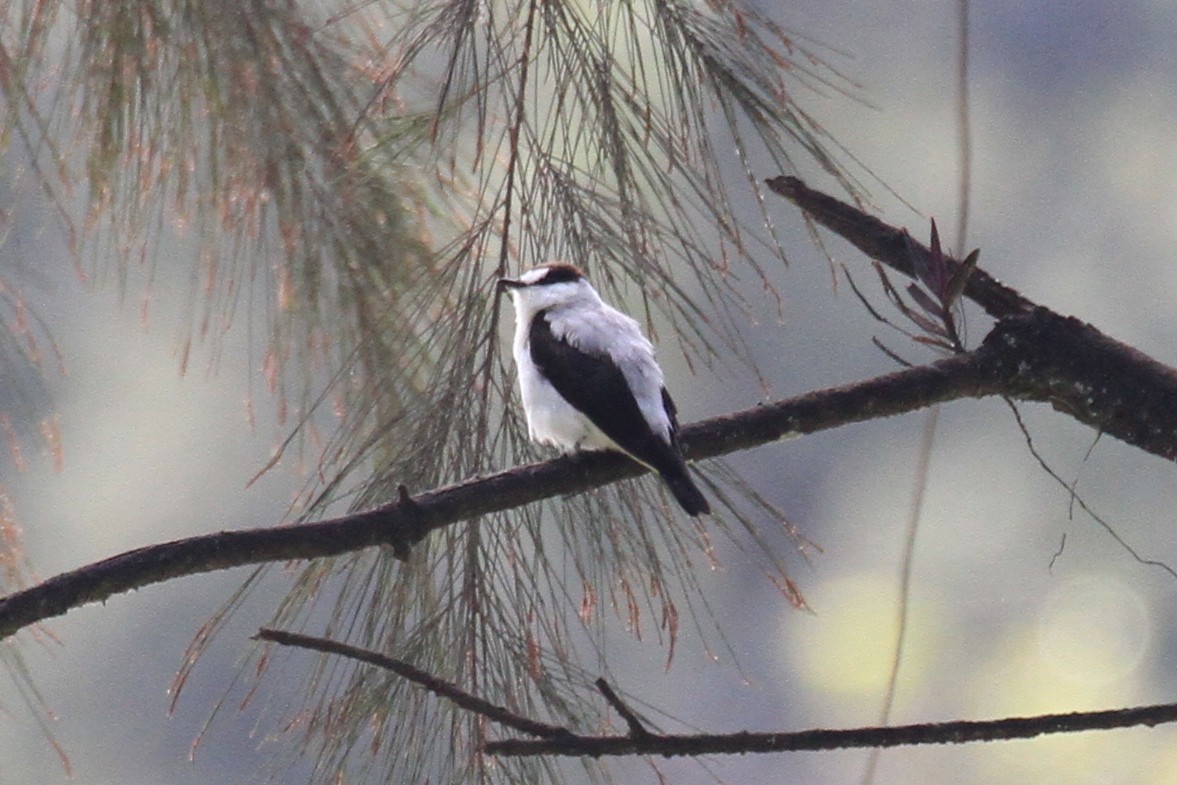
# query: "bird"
589,378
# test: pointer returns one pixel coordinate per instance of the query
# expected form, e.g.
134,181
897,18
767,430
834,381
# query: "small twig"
636,729
439,687
1075,498
1062,545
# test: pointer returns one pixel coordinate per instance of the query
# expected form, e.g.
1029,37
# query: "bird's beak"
506,284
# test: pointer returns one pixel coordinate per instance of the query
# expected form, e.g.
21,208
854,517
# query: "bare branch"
636,728
439,687
893,246
957,732
556,740
407,521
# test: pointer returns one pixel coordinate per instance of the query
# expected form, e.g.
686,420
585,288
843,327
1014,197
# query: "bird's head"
550,285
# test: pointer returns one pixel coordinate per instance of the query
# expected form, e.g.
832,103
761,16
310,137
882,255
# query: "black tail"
689,497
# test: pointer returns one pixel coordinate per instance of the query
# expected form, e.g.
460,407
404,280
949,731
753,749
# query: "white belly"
552,420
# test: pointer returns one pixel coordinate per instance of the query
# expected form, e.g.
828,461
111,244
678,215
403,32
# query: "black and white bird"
589,377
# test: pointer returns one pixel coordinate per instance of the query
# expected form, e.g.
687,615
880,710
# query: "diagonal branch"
405,522
636,728
892,246
439,687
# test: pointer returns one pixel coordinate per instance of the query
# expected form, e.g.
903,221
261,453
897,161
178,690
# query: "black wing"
672,415
596,387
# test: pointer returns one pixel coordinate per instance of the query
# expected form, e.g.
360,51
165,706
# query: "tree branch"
1041,355
557,740
892,246
405,522
1031,353
636,728
956,732
1085,374
439,687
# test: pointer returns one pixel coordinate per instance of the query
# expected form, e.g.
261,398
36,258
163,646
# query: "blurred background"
1020,603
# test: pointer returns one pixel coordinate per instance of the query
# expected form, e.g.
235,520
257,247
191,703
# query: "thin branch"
439,687
964,126
556,740
919,495
892,246
636,728
405,522
1075,498
957,732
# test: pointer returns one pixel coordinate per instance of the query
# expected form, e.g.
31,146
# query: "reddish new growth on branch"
1035,353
